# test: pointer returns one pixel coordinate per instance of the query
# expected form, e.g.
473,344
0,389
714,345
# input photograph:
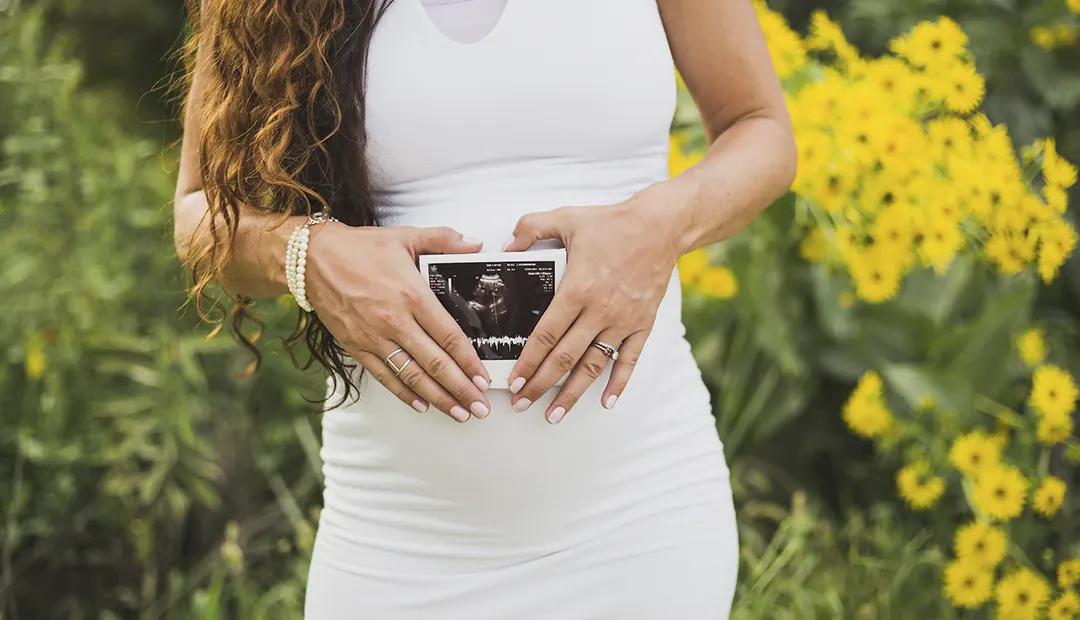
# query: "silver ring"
608,350
390,362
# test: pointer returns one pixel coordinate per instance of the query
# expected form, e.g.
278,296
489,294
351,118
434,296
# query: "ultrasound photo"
497,304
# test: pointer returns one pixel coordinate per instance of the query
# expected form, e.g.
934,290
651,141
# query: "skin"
620,257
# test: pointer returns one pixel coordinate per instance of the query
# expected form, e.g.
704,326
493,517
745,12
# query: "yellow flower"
897,142
967,584
1066,607
893,228
950,136
918,488
36,362
877,273
1056,169
718,282
932,44
893,79
1022,593
1042,37
827,35
940,243
1056,198
1068,573
1054,429
814,155
963,88
1053,392
1064,34
1032,346
1057,240
1000,492
974,453
785,47
815,247
691,266
865,411
867,418
833,187
1049,497
1074,5
1010,252
981,544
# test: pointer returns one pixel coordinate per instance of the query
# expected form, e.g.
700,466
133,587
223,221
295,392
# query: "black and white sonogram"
497,304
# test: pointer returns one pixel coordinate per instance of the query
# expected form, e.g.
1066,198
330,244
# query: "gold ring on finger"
397,369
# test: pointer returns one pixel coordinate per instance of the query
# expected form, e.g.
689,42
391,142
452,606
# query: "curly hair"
282,131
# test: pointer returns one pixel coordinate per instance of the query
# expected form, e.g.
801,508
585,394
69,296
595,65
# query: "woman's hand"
365,286
619,261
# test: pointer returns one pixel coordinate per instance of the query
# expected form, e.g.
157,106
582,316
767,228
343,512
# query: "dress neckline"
487,39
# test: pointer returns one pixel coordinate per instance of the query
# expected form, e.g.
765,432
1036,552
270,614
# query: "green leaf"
917,384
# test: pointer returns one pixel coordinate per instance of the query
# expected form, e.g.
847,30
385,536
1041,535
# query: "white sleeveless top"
560,102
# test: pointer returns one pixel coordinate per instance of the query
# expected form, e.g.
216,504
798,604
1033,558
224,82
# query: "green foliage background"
140,478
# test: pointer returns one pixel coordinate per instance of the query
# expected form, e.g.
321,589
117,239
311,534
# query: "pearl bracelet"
296,259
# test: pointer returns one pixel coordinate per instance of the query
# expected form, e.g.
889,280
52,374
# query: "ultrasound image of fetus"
489,301
496,304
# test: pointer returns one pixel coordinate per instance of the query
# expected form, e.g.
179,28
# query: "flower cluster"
997,485
899,171
1061,31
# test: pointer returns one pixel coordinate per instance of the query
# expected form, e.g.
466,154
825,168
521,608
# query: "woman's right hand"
364,284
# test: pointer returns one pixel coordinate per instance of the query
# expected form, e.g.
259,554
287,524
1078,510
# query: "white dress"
622,515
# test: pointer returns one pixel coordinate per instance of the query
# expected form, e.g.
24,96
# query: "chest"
575,79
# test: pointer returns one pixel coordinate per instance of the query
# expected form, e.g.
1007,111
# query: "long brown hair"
282,123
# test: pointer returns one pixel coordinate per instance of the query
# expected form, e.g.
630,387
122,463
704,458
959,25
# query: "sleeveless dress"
623,514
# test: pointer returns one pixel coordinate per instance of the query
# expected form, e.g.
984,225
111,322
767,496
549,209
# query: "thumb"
440,240
534,227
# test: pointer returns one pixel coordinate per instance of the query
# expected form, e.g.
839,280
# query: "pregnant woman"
394,129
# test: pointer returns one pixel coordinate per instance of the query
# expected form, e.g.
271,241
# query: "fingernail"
472,241
610,401
479,409
508,242
459,414
522,404
419,405
481,383
518,383
556,415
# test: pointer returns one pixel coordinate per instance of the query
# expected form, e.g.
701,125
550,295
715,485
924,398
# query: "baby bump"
513,472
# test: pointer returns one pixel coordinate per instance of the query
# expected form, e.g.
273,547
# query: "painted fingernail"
481,383
556,415
518,383
459,414
472,241
479,409
419,405
610,401
522,404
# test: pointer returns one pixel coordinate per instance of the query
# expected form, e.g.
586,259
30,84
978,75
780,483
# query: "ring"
608,350
390,362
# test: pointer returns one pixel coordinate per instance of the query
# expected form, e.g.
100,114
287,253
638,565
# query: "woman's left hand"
619,261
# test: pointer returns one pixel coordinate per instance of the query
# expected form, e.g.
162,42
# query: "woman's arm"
721,54
256,266
620,258
363,281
